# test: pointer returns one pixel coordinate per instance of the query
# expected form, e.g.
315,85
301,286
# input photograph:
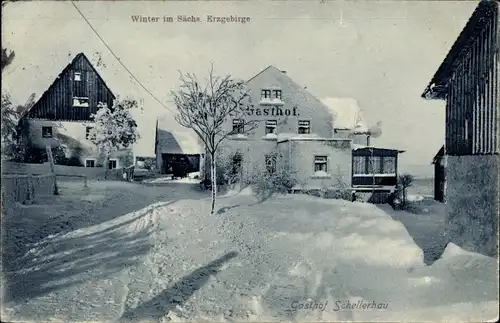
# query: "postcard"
250,161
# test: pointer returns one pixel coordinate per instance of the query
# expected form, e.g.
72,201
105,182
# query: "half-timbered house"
468,81
62,116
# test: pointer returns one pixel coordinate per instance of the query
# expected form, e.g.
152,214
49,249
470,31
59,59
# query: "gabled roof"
438,155
346,114
437,86
64,70
172,138
303,94
283,74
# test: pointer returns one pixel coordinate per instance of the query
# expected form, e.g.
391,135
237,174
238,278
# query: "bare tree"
405,181
206,108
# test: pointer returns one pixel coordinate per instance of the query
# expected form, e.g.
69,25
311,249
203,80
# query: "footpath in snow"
270,261
291,258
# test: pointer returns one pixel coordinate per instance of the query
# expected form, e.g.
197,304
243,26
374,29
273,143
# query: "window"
320,164
112,164
81,102
271,126
277,94
77,76
89,162
237,160
89,134
359,165
238,126
366,165
389,165
374,165
47,132
265,94
304,127
271,164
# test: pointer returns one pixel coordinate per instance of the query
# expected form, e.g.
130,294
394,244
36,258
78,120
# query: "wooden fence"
25,188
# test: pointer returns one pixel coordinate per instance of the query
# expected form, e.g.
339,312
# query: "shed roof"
172,138
438,155
361,147
476,23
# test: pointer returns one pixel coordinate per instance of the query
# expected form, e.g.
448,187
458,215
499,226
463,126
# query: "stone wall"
472,204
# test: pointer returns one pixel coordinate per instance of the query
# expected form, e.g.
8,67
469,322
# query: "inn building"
316,141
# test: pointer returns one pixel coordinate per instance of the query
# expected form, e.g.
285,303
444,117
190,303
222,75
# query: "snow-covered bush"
226,173
265,183
338,193
115,128
340,189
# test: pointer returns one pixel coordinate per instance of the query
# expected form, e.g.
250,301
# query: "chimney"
368,140
284,72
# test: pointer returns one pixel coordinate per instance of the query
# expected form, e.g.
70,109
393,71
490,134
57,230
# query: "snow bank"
415,198
238,191
261,257
168,179
460,286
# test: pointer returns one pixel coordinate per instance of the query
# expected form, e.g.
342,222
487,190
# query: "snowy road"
252,261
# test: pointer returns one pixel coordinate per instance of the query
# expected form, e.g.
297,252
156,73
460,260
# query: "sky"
381,53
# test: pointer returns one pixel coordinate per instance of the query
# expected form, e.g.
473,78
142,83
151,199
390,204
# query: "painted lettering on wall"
272,111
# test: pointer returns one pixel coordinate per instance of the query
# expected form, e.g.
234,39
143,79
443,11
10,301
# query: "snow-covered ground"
151,252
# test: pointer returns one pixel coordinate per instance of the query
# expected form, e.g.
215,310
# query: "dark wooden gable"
77,80
438,155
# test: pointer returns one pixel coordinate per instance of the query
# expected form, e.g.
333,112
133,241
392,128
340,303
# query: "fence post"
30,188
52,169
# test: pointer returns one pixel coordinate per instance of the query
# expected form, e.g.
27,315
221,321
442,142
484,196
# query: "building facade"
292,122
62,116
311,139
468,81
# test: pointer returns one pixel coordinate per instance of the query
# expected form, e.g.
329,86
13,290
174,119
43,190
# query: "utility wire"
118,59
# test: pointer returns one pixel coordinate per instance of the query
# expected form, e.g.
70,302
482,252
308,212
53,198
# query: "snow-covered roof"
346,114
293,136
357,147
173,138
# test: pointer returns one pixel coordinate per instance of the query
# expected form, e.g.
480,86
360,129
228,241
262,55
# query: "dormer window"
265,94
77,76
277,94
80,102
